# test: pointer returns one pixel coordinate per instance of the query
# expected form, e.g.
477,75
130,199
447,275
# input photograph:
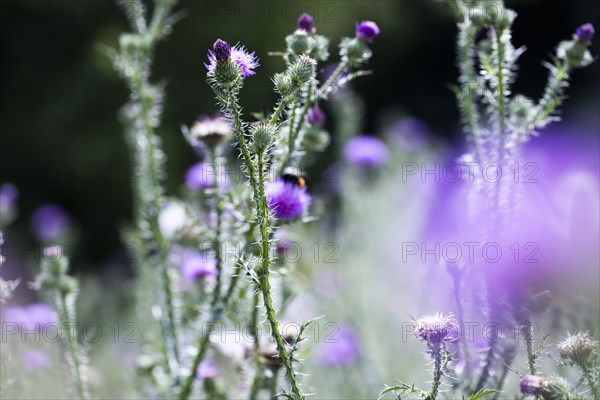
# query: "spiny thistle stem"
468,78
325,88
218,216
278,111
438,355
65,304
291,139
587,374
258,374
552,96
531,357
264,283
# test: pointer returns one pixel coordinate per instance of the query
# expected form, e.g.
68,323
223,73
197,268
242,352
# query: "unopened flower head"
366,151
532,385
367,30
306,23
585,33
435,328
287,199
576,348
210,131
221,50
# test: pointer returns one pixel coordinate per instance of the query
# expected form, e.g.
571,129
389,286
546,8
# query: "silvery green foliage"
6,287
63,290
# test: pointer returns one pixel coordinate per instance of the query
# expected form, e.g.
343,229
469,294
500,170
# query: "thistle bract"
576,348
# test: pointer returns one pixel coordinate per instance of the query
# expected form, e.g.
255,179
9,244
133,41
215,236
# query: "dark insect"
295,179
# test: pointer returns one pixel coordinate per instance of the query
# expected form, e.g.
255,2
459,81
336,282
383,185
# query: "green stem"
278,111
323,92
215,318
531,357
264,283
291,139
468,78
438,351
552,94
296,130
259,376
217,243
74,360
590,381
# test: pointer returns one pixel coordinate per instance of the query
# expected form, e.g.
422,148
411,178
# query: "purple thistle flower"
245,60
306,23
367,30
366,151
35,359
435,328
585,33
8,196
49,222
221,50
315,117
195,264
533,385
287,200
342,349
201,176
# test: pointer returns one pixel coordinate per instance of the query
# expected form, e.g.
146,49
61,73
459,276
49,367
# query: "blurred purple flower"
287,200
200,176
35,316
315,117
410,134
366,151
367,30
35,359
208,369
585,33
341,349
50,221
193,263
8,195
245,60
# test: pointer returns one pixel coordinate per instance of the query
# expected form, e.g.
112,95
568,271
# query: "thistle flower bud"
354,51
222,51
262,137
576,348
585,34
320,47
298,43
306,23
302,70
532,385
53,274
283,84
538,303
576,53
367,30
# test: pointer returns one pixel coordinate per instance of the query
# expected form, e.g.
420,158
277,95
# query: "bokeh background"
61,141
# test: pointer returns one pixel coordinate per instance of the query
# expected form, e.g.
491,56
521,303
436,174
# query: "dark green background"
61,140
